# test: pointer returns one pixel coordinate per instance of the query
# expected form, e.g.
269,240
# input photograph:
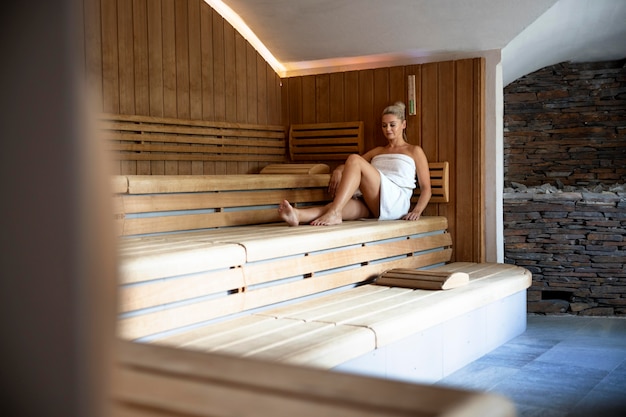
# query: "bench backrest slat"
148,138
325,141
439,183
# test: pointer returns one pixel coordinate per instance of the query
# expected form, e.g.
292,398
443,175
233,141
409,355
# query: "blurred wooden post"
57,305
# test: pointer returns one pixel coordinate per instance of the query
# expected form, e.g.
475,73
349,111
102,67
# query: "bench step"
328,330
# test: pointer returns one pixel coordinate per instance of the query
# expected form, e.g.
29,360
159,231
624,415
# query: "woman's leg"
294,216
357,174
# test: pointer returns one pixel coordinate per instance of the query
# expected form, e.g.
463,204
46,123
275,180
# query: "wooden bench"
205,266
155,381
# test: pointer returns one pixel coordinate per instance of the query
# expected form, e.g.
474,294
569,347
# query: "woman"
378,184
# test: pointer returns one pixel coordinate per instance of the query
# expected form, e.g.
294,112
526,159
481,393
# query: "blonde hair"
398,109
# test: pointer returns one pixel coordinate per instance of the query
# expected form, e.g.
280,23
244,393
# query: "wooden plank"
155,57
110,57
181,33
351,312
335,236
206,46
306,310
325,348
195,58
137,226
320,308
141,52
191,157
173,261
206,200
182,149
257,273
316,392
178,317
296,169
161,292
180,183
168,31
164,126
194,338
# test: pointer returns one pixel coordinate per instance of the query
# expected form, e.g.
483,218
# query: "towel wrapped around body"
397,182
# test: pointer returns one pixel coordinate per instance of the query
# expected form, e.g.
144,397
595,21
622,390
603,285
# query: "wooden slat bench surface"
329,330
153,381
261,265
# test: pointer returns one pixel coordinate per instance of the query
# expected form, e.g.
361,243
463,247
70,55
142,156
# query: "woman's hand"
335,179
411,216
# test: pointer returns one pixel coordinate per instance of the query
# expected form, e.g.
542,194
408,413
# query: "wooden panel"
155,58
171,58
110,62
468,170
448,126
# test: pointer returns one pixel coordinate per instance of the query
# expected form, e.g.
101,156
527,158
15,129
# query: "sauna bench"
206,265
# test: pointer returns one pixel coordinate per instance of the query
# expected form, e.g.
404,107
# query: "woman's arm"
423,177
335,179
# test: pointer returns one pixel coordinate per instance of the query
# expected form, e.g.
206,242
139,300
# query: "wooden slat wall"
448,125
180,59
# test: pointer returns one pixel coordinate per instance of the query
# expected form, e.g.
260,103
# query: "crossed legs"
357,174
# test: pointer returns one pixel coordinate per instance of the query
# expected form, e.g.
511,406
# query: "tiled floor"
562,366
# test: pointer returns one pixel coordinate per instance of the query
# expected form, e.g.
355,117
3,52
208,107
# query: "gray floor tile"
562,366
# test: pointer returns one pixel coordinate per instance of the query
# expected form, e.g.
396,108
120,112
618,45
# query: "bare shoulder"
373,152
417,153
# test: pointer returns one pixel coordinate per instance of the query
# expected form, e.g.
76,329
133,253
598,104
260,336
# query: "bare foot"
288,213
329,218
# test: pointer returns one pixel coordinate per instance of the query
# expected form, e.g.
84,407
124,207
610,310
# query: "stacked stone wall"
574,243
567,123
565,169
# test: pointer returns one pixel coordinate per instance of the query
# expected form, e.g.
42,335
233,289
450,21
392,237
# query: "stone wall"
565,205
567,123
574,243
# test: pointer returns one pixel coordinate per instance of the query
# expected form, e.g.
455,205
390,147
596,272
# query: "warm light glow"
237,22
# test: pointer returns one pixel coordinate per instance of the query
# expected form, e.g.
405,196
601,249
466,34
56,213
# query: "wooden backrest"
148,138
325,141
439,183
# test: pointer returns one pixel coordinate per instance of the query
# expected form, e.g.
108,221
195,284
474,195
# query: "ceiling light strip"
237,22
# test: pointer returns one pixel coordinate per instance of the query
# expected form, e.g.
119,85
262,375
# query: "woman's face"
393,127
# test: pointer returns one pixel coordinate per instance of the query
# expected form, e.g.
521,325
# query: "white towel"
397,182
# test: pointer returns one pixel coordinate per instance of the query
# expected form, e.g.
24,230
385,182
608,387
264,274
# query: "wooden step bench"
205,264
156,381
